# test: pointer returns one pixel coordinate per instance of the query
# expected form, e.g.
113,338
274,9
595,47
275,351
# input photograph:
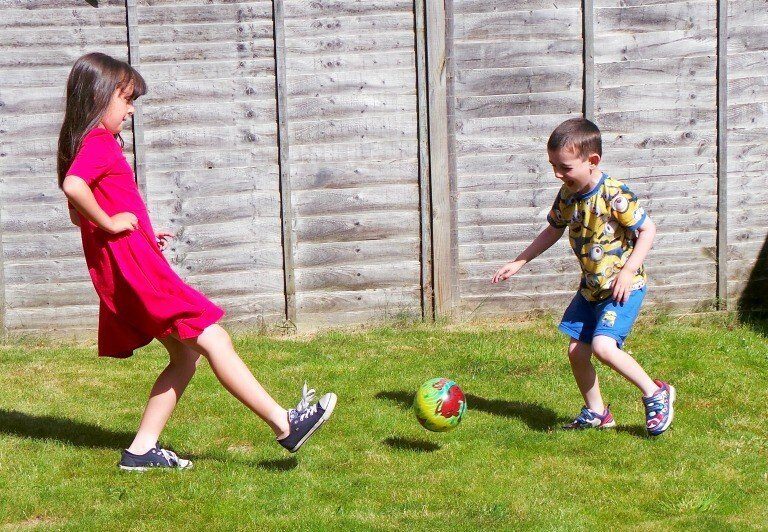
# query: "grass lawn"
65,415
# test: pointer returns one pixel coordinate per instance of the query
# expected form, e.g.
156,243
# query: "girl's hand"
123,221
622,286
162,238
507,271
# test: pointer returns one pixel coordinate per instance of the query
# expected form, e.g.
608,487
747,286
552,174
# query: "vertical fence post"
442,183
425,208
132,24
286,206
3,328
722,154
588,34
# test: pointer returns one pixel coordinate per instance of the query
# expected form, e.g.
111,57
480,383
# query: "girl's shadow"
64,430
79,434
534,415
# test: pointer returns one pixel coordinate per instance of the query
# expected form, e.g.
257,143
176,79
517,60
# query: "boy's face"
577,172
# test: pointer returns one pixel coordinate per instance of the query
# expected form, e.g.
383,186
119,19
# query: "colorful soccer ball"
439,405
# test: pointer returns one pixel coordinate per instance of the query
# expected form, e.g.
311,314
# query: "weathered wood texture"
517,74
286,199
425,189
44,279
356,136
442,161
656,104
211,149
352,131
747,117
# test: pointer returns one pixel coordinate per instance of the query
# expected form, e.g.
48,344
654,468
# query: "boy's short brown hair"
577,134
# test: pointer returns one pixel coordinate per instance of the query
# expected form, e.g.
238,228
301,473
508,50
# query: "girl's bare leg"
165,394
215,344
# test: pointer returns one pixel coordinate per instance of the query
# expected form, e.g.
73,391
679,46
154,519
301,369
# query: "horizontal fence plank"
334,254
656,17
359,277
523,80
535,23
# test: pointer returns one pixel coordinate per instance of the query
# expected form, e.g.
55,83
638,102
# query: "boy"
610,235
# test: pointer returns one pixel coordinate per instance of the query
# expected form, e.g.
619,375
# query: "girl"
141,297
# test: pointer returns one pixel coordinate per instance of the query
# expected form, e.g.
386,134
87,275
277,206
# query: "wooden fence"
347,161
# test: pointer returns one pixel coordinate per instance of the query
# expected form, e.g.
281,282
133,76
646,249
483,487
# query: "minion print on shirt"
602,231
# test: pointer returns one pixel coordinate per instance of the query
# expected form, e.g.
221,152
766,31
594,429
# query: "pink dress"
140,296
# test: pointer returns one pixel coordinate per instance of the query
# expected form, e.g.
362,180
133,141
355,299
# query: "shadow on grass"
635,430
411,444
753,301
280,464
91,436
64,430
537,417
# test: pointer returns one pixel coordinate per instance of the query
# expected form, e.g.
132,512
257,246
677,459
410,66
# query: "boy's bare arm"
643,244
623,283
540,244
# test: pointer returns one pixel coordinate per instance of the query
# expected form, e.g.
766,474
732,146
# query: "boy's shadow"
635,430
534,415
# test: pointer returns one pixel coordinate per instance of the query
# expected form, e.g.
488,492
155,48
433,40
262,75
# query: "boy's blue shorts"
583,320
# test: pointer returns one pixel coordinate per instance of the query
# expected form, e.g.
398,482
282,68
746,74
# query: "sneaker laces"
172,458
304,414
306,398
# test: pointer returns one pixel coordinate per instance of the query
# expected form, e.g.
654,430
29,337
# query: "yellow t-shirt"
602,227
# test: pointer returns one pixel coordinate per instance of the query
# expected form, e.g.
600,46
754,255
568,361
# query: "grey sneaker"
306,418
155,458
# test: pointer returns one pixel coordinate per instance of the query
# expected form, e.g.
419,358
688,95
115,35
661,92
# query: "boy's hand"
622,285
162,238
507,271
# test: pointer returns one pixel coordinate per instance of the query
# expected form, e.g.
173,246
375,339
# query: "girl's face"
119,109
576,172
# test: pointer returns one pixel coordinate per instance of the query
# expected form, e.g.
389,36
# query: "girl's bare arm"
80,195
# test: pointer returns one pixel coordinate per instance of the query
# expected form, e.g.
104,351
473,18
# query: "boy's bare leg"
165,394
579,354
215,344
608,352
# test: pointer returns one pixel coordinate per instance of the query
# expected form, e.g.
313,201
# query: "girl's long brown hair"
92,81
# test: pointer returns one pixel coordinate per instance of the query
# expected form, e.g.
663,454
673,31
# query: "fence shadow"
536,416
753,309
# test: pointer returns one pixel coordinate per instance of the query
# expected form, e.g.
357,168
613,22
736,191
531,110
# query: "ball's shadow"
411,444
280,464
534,415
